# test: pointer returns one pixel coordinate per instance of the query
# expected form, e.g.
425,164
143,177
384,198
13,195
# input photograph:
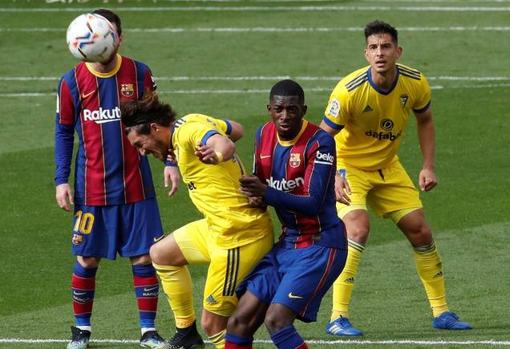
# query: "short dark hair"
287,87
111,16
380,27
138,115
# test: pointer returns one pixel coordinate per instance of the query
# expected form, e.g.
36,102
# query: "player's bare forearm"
171,177
217,149
426,134
427,138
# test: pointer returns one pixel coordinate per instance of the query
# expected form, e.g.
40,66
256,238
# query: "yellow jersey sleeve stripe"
410,75
409,72
409,69
351,85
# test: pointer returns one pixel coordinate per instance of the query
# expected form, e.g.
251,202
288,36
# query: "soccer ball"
92,38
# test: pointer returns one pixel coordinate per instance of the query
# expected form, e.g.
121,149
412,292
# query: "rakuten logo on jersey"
285,185
324,158
102,115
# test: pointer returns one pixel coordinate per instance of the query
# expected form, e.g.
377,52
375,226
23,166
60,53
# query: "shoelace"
344,322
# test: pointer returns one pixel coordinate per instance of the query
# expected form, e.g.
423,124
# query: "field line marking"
310,341
250,91
276,30
276,1
265,78
273,8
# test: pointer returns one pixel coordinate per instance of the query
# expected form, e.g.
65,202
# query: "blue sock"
233,338
83,286
146,290
288,338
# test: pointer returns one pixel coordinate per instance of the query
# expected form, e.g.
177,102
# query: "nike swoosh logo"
293,296
85,95
158,238
79,293
265,156
150,289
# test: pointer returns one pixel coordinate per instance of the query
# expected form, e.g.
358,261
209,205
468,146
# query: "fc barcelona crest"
295,160
127,90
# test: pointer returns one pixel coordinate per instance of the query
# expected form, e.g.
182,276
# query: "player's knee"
207,326
156,254
419,234
358,233
211,326
88,262
141,260
274,321
234,322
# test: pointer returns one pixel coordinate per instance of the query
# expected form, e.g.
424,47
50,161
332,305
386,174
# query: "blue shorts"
103,231
296,278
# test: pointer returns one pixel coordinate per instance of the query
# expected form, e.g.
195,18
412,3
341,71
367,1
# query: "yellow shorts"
227,266
389,191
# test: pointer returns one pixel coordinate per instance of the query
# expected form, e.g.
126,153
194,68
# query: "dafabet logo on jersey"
102,115
386,125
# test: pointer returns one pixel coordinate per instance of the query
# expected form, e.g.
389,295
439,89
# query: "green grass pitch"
221,58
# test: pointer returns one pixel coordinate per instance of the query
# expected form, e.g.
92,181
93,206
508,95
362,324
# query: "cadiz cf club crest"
295,159
127,90
403,100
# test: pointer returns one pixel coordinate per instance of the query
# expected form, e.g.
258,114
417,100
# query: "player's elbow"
237,131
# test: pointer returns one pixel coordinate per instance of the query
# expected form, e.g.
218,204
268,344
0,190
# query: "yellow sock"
429,267
218,339
176,282
342,288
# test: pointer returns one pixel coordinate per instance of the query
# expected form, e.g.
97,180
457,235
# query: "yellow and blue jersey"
214,189
371,120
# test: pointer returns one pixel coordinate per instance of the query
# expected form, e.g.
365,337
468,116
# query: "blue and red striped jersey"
108,170
300,175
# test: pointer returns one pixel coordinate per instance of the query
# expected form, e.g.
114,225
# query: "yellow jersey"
214,189
372,121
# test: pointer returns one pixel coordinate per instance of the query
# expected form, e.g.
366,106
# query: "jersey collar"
90,67
377,88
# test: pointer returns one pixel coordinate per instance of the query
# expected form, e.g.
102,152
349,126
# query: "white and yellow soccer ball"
92,38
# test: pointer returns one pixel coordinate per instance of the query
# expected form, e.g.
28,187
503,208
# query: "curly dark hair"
380,27
138,115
